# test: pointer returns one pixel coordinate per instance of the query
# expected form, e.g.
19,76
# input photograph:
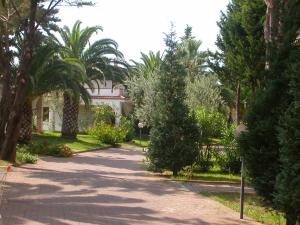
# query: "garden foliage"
211,123
106,131
204,91
25,156
46,148
229,158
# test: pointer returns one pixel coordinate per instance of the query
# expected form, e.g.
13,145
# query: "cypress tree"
174,133
271,145
287,188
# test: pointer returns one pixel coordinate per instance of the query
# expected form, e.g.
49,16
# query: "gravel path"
104,187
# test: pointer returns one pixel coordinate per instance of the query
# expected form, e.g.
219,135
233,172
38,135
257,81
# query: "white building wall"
85,115
107,95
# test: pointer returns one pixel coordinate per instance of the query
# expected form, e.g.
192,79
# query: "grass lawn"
253,207
82,143
144,142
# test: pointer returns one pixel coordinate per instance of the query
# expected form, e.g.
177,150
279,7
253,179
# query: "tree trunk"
39,114
291,218
26,122
70,117
8,148
5,104
238,104
6,95
175,171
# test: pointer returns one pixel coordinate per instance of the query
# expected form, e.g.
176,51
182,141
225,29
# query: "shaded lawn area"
82,143
253,207
143,142
206,176
136,143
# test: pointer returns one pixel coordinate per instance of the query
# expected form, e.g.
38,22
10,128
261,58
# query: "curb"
93,150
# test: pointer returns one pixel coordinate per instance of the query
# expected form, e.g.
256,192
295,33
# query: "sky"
139,25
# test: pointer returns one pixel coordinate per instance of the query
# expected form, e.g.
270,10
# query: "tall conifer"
174,134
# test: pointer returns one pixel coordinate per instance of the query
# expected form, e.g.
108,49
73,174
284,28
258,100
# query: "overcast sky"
139,25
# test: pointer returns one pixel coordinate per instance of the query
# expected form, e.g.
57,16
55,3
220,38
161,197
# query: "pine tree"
174,134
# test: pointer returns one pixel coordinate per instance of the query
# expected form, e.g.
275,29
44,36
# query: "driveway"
104,187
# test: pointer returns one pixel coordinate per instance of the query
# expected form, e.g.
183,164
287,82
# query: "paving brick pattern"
104,187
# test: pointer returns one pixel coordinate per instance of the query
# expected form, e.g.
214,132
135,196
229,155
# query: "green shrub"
229,159
187,171
204,161
127,124
24,156
108,134
45,148
105,114
65,151
210,123
105,130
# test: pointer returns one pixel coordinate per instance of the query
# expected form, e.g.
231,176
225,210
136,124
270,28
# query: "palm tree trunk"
70,117
26,122
39,114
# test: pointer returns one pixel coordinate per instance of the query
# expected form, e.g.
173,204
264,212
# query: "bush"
105,130
127,124
108,134
229,159
187,171
105,114
65,151
210,123
45,148
204,161
24,156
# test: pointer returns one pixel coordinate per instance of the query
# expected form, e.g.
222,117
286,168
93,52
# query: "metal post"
242,191
141,136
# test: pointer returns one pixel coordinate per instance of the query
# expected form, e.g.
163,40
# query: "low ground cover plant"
23,155
46,148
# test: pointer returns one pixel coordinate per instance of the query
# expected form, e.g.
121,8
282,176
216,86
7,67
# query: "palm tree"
191,56
150,63
102,60
48,73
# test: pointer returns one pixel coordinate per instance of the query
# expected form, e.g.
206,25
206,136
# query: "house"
48,109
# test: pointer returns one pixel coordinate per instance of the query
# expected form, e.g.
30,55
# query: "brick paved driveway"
104,187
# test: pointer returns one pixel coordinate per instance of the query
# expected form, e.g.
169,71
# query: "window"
45,114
